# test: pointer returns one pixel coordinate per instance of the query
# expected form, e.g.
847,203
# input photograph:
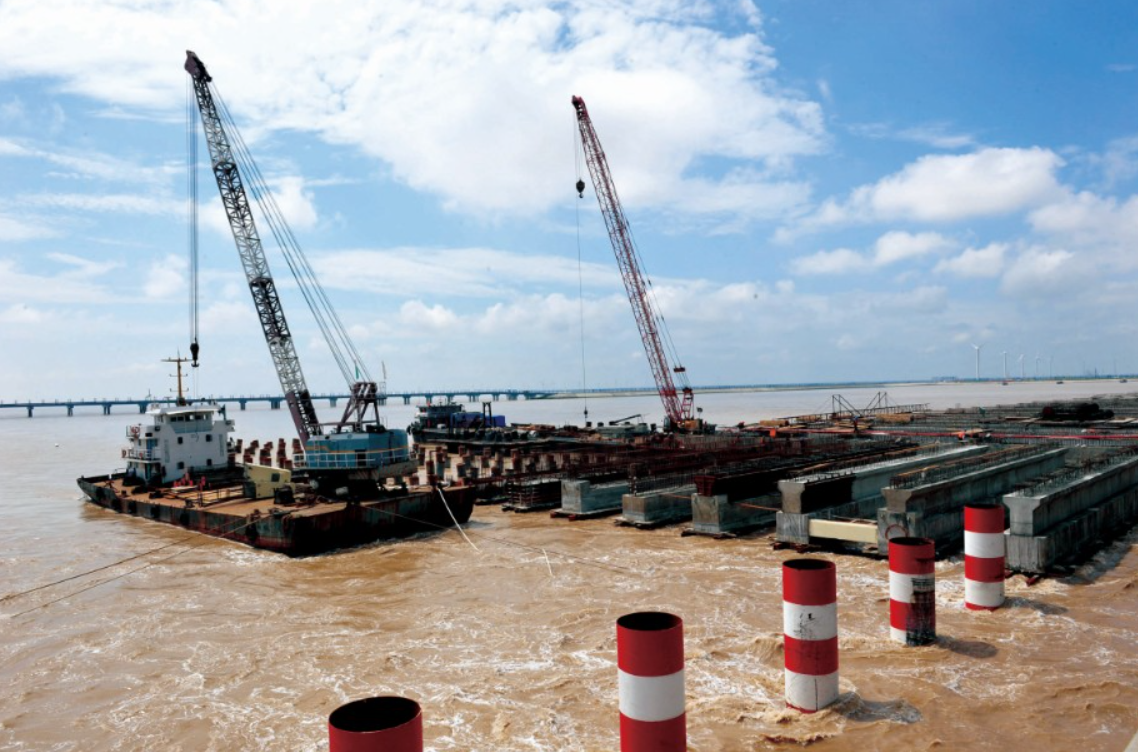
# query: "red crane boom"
677,409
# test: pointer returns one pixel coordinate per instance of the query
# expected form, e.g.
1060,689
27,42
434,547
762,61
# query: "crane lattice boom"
677,410
256,265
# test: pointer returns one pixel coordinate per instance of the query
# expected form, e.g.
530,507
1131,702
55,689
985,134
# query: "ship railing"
139,454
350,460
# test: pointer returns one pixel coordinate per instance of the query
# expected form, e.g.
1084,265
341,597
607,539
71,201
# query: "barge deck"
300,529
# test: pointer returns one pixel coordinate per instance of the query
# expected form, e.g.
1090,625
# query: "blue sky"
821,191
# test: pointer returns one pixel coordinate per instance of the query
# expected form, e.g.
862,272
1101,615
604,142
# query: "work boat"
181,469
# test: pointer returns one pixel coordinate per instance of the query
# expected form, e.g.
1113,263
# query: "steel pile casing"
376,724
810,633
912,590
650,663
984,553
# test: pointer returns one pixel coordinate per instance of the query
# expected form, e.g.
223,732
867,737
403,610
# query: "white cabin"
178,440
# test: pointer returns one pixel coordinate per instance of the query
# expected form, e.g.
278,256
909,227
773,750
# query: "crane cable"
192,219
331,327
578,150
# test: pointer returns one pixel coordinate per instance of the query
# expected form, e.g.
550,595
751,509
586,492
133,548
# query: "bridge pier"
141,408
406,399
242,403
512,397
70,410
332,401
29,411
106,408
274,404
381,400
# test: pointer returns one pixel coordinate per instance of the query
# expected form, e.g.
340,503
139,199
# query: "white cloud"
123,203
937,135
898,246
946,188
83,268
460,100
472,272
838,261
416,314
925,299
70,286
989,182
86,164
18,229
22,314
1043,273
165,278
292,198
1092,222
976,262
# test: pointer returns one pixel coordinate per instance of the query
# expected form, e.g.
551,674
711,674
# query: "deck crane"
678,405
356,451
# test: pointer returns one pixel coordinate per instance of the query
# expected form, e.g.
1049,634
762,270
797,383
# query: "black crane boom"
252,253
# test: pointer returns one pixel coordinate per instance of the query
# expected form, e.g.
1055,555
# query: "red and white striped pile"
650,663
912,591
810,633
984,552
376,724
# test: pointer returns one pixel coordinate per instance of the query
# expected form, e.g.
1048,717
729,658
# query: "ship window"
179,439
181,465
276,477
209,437
209,462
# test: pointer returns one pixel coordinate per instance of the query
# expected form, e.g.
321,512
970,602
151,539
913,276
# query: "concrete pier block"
582,497
657,507
936,510
717,515
1067,522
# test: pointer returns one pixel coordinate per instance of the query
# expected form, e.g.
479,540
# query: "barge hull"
294,531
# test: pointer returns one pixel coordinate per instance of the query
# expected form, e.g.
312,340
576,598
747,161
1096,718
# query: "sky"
819,191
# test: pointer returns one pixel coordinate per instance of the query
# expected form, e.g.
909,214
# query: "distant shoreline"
636,391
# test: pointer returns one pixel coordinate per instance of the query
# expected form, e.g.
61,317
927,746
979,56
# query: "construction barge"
181,471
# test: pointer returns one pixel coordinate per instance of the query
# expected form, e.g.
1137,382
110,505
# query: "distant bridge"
274,400
468,395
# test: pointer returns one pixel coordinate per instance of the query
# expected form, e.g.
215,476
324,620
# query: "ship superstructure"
178,442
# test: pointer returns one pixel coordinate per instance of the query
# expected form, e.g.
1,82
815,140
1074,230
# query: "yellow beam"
855,532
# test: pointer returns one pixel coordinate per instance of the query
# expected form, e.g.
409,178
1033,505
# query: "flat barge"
181,469
302,529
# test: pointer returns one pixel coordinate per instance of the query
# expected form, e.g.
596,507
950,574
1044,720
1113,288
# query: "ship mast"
179,361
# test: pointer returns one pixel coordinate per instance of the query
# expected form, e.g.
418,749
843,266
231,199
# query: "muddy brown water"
214,646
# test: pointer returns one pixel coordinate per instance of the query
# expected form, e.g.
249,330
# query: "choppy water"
222,647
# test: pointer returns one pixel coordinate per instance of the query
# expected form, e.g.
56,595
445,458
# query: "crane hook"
580,188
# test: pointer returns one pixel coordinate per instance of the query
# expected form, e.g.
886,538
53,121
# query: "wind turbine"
1005,354
1037,359
1022,375
977,348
